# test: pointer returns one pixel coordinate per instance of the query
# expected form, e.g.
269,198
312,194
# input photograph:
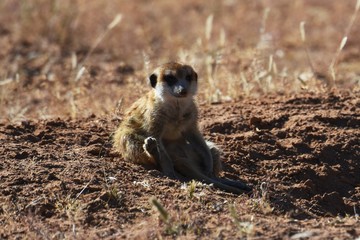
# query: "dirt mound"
60,178
306,149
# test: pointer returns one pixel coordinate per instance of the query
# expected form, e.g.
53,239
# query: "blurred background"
76,58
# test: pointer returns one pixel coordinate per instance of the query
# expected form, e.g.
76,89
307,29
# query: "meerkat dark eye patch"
170,79
188,78
153,80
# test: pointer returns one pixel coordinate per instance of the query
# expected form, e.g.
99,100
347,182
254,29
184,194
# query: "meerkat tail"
234,183
196,174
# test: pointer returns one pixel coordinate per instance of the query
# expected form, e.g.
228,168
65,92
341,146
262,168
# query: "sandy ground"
61,178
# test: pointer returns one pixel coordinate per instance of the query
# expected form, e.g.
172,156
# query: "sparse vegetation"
245,228
194,189
260,200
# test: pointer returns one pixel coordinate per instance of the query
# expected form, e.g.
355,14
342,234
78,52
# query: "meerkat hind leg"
215,152
187,162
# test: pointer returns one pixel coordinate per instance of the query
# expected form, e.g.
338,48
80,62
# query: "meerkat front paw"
151,146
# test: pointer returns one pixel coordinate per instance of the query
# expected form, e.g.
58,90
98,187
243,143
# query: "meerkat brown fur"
161,129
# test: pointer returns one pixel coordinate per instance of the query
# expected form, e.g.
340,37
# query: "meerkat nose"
182,92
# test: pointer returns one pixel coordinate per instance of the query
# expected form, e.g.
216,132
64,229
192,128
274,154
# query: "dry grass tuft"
66,58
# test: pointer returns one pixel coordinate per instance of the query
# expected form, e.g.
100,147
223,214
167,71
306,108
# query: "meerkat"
161,129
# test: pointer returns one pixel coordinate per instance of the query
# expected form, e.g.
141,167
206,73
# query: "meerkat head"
174,80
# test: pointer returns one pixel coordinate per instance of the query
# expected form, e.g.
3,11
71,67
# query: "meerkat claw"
150,146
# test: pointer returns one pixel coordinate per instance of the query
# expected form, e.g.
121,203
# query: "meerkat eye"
170,79
188,77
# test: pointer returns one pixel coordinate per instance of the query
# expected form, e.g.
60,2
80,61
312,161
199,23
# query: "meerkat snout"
179,88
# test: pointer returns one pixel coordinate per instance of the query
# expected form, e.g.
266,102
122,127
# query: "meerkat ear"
153,80
195,76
